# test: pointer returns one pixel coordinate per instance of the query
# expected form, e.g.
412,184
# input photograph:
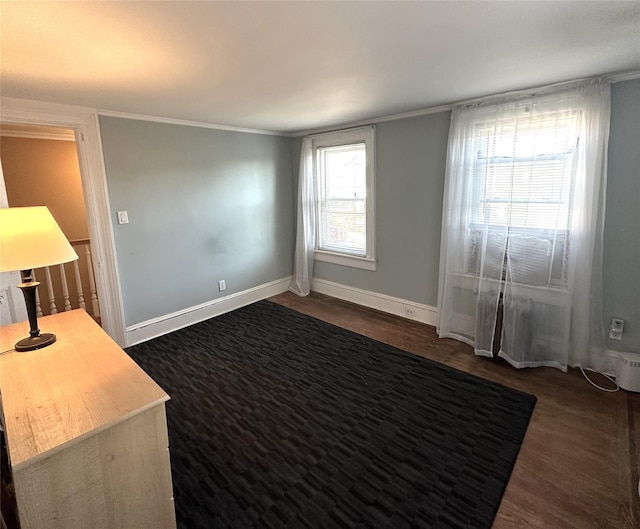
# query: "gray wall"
622,222
203,205
410,161
206,205
411,158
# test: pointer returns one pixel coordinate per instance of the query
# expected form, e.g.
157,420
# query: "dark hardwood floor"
579,464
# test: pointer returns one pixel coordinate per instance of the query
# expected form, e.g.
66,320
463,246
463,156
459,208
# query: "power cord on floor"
610,379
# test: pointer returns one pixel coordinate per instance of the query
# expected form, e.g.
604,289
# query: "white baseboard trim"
400,307
146,330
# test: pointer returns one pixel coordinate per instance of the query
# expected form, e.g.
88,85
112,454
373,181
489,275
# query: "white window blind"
524,171
522,178
342,204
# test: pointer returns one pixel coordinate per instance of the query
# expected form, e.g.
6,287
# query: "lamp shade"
31,238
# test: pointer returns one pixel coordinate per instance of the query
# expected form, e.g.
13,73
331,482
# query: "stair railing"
59,293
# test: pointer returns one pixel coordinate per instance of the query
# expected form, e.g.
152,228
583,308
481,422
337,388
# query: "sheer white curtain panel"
521,250
306,223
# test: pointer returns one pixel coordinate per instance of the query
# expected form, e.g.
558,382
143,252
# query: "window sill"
345,260
552,295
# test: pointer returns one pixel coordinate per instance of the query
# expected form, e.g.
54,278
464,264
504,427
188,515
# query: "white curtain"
522,227
306,224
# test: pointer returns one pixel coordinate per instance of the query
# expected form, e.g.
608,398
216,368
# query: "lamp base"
35,342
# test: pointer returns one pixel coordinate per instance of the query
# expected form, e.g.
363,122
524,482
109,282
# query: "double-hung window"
344,180
522,178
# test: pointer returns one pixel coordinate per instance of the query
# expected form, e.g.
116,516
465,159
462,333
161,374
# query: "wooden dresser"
86,431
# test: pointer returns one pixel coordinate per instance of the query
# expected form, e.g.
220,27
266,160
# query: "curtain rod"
610,79
333,131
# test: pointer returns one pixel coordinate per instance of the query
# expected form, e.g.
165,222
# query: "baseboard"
397,306
146,330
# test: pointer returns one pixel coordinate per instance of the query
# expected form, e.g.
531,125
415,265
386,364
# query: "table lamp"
30,238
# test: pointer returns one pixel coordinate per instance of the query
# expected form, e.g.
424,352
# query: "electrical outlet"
222,285
617,327
409,311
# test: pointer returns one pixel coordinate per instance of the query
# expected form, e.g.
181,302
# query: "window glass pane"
342,204
523,172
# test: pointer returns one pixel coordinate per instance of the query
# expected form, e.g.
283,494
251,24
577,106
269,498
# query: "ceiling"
295,66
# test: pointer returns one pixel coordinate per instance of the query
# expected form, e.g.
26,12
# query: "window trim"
364,135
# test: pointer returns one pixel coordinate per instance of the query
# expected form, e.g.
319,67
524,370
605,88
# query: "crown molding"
187,123
624,76
373,121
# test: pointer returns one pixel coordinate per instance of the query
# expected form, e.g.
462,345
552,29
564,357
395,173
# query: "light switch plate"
123,217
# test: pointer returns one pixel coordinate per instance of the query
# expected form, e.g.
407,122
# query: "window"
522,224
522,178
523,173
344,179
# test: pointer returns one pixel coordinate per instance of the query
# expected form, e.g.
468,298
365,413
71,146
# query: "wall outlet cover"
617,328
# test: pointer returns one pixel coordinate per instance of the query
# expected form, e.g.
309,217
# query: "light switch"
123,217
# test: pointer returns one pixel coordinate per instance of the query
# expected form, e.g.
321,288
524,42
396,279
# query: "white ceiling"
292,66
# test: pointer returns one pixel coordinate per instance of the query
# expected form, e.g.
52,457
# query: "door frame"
84,122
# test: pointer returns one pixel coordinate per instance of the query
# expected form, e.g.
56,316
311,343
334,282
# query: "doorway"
40,167
83,123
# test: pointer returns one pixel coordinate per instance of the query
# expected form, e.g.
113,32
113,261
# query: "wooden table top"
82,384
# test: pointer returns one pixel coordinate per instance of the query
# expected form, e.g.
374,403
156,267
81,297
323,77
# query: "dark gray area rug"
280,420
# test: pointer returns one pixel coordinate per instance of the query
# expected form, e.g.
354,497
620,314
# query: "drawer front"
119,478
